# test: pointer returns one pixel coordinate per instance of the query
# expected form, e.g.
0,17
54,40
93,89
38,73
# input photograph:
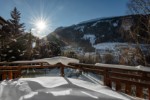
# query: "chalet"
2,22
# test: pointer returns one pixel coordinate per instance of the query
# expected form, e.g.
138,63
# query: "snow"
115,45
33,44
105,46
13,57
56,88
80,28
96,19
90,37
115,24
126,26
138,68
7,46
102,35
53,60
143,68
95,24
14,40
10,51
59,59
19,50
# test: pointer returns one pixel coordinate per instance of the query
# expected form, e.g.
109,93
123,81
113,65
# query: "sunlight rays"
40,21
39,18
41,25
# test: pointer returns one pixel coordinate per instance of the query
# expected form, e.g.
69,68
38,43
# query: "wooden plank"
10,75
130,82
139,91
62,70
8,67
86,65
18,74
85,69
119,74
130,69
107,82
126,75
14,75
128,89
105,77
31,67
149,92
118,86
8,70
93,70
4,75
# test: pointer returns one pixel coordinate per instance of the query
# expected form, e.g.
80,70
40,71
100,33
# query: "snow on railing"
138,68
120,77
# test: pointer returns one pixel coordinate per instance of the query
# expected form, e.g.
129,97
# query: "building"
2,23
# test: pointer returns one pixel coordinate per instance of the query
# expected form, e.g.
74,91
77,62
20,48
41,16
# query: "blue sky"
62,12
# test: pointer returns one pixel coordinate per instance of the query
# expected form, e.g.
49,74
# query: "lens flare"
40,25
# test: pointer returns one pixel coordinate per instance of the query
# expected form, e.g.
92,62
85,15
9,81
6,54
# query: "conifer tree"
16,27
15,34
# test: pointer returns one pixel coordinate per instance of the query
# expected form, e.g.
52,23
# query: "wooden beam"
10,75
118,86
128,89
4,75
127,81
107,81
149,92
139,91
62,70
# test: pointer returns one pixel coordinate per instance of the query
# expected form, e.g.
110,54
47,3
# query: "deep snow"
56,88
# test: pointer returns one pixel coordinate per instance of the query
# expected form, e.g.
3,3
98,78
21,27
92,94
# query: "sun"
40,25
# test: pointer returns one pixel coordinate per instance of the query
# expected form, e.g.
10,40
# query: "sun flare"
40,25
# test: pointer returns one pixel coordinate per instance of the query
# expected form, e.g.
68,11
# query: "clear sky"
61,12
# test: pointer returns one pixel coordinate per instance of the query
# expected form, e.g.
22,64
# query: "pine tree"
14,43
16,27
29,49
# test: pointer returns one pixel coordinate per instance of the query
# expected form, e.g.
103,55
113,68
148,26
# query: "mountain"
89,33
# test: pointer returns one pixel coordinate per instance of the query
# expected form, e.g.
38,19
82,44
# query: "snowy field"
115,46
56,88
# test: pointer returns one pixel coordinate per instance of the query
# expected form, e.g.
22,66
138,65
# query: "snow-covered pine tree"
15,48
17,28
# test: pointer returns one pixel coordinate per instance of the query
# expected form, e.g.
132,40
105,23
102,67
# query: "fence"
131,81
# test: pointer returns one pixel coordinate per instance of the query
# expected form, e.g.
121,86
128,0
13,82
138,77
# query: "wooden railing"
122,79
131,81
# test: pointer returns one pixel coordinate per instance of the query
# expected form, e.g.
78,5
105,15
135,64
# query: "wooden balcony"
121,78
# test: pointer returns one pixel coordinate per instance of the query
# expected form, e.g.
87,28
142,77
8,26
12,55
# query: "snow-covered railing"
11,70
122,78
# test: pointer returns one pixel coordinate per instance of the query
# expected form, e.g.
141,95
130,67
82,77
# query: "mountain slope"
95,31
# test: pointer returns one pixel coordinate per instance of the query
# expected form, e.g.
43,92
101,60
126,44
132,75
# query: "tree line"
16,44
